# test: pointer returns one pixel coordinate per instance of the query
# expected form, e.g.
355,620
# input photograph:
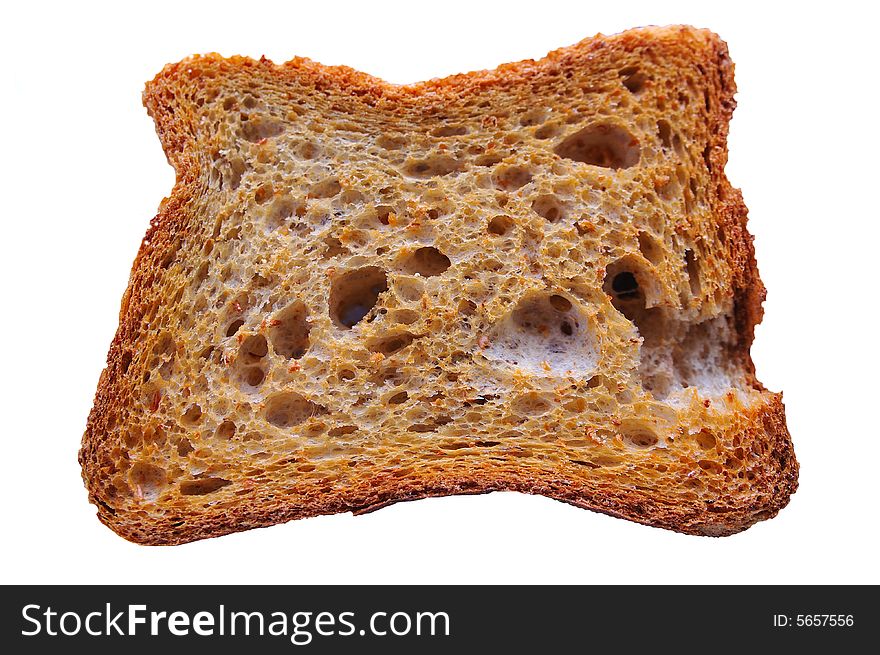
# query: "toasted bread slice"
535,278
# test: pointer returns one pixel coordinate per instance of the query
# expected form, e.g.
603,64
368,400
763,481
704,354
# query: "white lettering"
155,617
24,615
113,623
134,619
203,624
77,622
178,624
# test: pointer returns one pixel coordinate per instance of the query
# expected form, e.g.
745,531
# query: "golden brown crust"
749,467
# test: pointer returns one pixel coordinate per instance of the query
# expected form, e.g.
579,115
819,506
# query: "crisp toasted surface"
535,278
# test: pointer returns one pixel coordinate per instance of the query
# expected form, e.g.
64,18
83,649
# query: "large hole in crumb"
148,480
326,188
637,435
601,144
342,430
548,206
449,130
664,132
511,177
705,439
253,349
192,415
398,398
548,131
545,334
631,287
433,166
650,248
500,225
390,344
426,261
385,214
226,430
488,159
633,79
264,193
286,409
355,293
253,376
531,404
234,327
391,141
202,486
289,331
257,128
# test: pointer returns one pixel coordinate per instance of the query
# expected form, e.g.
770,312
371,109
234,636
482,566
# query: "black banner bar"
443,619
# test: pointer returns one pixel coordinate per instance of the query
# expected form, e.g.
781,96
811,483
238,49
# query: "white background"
83,173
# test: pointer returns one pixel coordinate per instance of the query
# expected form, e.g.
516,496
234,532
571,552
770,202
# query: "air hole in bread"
384,214
342,430
625,286
705,439
560,303
226,430
307,150
500,225
333,248
466,307
184,447
398,398
633,79
289,331
548,206
548,131
533,117
263,193
650,248
427,262
631,286
410,289
709,465
192,415
664,132
531,404
257,127
391,141
147,480
234,327
488,159
433,166
202,486
430,426
449,130
253,349
233,169
637,435
606,461
388,345
538,337
511,177
693,272
326,188
404,316
601,144
287,409
253,376
354,294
